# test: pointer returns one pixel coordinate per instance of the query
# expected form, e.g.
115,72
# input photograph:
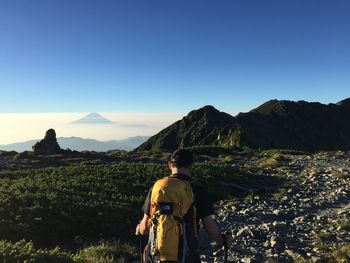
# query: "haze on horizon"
19,127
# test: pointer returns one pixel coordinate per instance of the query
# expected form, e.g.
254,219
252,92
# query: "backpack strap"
184,247
151,253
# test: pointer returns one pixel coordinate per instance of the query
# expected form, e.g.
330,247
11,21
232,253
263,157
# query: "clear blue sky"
171,55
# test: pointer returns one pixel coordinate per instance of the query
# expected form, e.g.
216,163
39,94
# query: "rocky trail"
304,221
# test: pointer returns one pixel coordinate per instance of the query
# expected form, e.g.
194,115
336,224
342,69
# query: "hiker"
172,211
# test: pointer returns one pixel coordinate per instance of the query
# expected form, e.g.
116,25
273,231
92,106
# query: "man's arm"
205,212
212,230
142,228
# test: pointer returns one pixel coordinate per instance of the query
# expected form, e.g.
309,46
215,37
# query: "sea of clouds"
18,127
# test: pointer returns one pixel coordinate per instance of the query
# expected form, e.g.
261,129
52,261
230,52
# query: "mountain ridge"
280,124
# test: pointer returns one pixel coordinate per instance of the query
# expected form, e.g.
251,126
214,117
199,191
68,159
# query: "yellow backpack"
171,200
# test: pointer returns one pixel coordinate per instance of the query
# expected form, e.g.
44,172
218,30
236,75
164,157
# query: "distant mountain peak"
274,106
208,108
207,112
92,118
94,115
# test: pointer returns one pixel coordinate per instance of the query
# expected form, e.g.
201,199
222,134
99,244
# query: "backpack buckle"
166,208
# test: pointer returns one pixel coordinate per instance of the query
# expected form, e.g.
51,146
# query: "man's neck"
180,171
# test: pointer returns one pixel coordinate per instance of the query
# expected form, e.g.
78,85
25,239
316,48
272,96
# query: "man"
180,165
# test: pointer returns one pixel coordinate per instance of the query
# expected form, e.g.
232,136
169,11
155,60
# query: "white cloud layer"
17,127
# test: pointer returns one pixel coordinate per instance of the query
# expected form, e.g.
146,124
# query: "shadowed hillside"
307,126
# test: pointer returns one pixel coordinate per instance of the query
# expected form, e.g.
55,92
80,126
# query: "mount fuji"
92,118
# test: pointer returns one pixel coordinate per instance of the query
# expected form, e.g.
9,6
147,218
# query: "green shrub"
268,163
326,236
340,255
283,151
341,175
23,251
344,224
83,200
210,150
106,253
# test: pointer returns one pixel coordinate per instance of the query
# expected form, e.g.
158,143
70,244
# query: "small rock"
276,212
290,253
273,241
245,231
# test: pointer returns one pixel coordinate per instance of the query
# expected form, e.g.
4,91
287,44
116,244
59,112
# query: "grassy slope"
75,204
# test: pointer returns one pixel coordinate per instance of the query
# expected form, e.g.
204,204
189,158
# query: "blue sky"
160,56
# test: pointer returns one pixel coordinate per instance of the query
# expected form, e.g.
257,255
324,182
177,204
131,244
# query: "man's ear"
170,165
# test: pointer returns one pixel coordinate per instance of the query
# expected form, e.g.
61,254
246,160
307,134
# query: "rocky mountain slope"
199,127
275,124
305,221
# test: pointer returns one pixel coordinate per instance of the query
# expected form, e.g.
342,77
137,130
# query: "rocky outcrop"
305,126
48,145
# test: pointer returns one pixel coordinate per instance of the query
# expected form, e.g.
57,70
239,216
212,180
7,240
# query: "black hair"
182,158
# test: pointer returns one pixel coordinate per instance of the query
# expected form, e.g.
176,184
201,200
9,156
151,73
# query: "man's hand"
142,228
137,230
214,233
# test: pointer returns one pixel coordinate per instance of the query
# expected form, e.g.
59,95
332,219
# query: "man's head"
181,161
